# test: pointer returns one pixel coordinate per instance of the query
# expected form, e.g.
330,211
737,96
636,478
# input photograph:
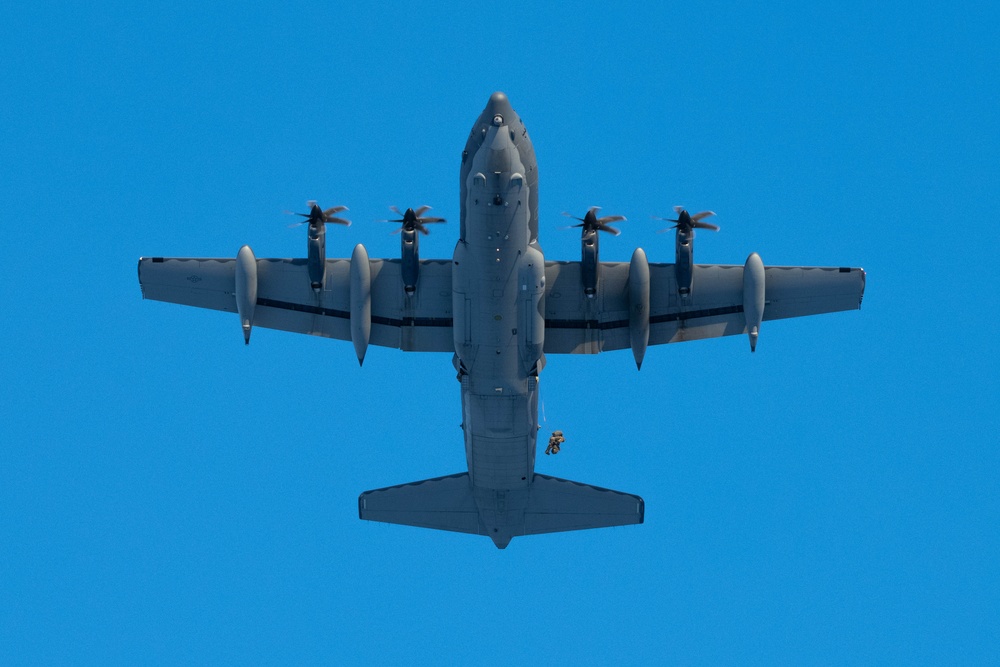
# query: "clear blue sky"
168,495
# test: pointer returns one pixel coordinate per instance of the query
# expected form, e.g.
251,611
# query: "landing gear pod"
753,296
246,289
638,305
361,301
531,318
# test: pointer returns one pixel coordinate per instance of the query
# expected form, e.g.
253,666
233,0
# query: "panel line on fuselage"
498,402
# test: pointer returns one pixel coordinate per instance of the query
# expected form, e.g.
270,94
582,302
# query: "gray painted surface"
499,307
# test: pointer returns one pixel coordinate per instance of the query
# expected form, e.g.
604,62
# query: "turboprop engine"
684,244
316,240
590,261
409,242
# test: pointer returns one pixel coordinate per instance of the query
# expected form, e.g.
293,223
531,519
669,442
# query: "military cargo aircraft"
500,307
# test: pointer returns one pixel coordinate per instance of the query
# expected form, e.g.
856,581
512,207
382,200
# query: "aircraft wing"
286,301
575,324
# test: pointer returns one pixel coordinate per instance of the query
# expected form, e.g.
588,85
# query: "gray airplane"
500,307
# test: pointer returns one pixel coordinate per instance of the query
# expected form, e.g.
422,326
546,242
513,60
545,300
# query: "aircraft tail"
547,505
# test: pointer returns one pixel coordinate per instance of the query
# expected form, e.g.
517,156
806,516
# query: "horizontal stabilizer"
547,505
444,503
557,504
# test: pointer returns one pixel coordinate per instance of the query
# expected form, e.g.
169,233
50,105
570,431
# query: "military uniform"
555,442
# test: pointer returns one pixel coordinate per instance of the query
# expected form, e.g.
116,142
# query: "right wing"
575,324
286,301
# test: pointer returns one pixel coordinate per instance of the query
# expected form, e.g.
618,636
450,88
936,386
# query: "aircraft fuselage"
498,281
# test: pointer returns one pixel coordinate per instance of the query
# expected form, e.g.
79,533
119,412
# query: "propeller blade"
334,209
706,225
700,216
678,209
414,218
591,222
339,221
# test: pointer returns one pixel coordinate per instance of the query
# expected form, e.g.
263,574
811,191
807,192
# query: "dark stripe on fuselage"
549,324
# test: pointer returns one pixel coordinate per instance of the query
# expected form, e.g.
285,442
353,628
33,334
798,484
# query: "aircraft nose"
499,107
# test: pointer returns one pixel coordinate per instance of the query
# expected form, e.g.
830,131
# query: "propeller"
591,223
317,216
413,220
686,222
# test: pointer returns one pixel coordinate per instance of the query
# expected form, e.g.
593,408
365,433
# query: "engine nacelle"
410,253
590,262
316,253
684,262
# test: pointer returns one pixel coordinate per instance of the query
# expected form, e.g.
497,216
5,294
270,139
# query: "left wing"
575,324
286,301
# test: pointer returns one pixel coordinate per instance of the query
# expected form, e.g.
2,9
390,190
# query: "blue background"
169,495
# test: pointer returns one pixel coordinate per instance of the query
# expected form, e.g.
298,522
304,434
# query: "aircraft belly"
500,429
496,290
499,420
498,399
